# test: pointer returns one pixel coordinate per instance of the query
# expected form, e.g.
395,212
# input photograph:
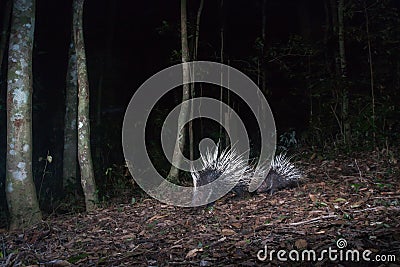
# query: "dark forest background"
129,41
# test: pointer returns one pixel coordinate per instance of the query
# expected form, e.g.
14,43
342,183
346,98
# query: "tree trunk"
264,49
371,72
221,90
192,86
70,160
84,151
20,188
335,26
180,140
345,93
327,31
197,34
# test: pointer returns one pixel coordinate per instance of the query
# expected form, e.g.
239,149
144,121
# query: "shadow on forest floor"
354,200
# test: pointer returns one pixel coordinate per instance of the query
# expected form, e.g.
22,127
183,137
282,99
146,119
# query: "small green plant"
318,204
356,187
347,216
210,209
384,185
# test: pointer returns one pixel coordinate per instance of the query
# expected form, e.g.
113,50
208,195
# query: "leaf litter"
353,199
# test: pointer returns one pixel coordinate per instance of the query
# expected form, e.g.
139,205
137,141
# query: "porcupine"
281,174
215,164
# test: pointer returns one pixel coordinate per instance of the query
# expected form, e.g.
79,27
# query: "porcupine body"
215,164
282,173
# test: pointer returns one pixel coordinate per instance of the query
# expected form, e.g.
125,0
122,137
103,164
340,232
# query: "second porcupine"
282,173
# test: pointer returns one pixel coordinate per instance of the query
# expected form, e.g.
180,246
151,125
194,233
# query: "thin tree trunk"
198,17
345,93
228,114
5,26
84,150
192,86
264,50
20,188
70,157
371,72
335,26
221,93
262,63
180,140
341,38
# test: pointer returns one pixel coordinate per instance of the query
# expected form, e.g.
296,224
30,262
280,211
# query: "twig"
389,197
9,259
44,173
314,220
359,171
338,120
376,208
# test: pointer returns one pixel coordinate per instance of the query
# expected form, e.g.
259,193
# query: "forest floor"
345,206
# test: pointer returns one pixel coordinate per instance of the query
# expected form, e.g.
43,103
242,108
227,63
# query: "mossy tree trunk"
20,188
84,150
70,157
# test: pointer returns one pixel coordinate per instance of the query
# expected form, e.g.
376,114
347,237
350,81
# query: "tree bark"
180,140
84,150
341,38
70,157
20,188
345,93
